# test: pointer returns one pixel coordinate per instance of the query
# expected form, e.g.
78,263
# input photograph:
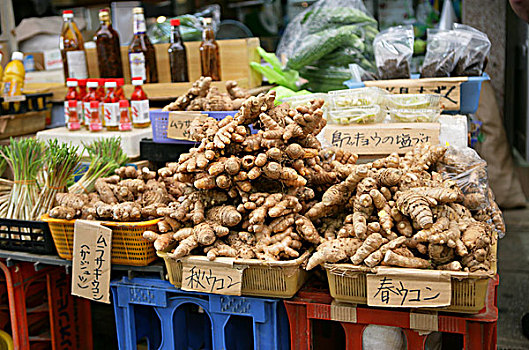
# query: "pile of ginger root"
398,211
202,96
246,195
129,195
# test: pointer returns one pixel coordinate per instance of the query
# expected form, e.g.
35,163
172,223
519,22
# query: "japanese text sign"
179,122
217,277
408,288
448,88
92,243
381,138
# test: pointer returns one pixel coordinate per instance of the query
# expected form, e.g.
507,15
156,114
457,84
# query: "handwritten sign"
91,261
381,138
448,88
408,288
179,122
217,277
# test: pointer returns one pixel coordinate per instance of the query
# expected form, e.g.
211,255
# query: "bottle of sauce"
94,120
72,48
71,95
111,107
91,96
142,58
81,91
108,48
119,91
73,123
13,78
124,119
209,53
139,105
177,54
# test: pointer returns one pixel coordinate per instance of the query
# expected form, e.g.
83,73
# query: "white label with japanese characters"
76,64
140,111
395,287
92,243
217,277
179,122
137,65
111,112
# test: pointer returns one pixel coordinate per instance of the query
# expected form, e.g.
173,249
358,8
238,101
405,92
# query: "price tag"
17,98
179,122
381,138
393,287
91,261
448,88
217,277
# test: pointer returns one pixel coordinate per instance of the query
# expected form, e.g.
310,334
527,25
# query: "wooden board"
22,124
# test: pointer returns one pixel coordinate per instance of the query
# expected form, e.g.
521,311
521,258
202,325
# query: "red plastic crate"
478,331
43,313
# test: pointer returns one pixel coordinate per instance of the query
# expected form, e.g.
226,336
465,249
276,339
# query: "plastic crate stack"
38,311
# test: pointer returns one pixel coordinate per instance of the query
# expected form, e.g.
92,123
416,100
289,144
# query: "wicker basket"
128,245
278,279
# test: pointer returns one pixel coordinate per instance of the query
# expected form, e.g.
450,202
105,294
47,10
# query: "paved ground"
513,267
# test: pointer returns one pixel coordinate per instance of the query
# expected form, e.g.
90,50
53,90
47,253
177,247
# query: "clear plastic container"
358,115
343,99
303,100
413,101
409,115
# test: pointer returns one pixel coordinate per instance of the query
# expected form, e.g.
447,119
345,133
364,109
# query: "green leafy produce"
283,92
275,73
335,17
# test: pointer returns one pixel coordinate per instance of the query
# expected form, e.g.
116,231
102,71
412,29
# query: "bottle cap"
94,104
104,14
67,13
17,56
175,22
104,10
71,82
82,82
92,84
123,103
137,81
110,84
72,103
101,81
137,10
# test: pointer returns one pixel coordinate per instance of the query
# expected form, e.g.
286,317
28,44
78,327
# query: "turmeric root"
334,251
372,243
393,259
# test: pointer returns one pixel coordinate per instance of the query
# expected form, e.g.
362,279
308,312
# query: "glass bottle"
209,53
119,91
91,96
124,119
177,54
71,45
94,120
73,123
71,95
142,57
139,105
111,107
108,49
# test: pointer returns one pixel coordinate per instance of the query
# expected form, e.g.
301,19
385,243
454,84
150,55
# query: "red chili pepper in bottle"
119,91
73,121
82,88
71,95
124,120
101,89
90,96
139,103
94,121
111,107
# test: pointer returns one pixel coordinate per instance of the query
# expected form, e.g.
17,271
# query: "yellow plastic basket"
128,245
348,284
277,279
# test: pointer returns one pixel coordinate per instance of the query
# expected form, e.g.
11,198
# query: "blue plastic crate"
160,119
154,311
469,96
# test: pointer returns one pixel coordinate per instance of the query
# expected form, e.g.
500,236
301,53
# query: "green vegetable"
274,73
283,92
325,18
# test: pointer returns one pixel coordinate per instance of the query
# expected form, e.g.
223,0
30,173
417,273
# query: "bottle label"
76,64
125,127
111,111
94,122
140,111
139,24
86,112
137,65
66,113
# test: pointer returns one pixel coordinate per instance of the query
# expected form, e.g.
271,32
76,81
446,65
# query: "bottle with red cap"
119,91
177,54
101,95
71,95
94,120
124,119
90,96
81,91
73,123
111,107
139,105
71,45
